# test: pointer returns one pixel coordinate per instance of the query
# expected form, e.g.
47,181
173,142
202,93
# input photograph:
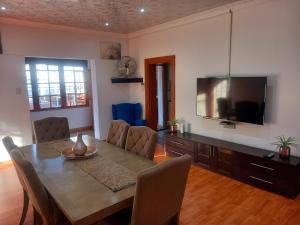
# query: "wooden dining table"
80,196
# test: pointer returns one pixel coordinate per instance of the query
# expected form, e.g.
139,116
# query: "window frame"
60,63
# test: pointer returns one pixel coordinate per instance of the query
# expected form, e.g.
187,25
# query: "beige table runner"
109,173
114,176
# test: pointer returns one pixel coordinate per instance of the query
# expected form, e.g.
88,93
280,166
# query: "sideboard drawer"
256,179
258,165
178,151
180,143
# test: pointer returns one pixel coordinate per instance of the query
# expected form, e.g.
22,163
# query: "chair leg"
37,219
25,207
176,219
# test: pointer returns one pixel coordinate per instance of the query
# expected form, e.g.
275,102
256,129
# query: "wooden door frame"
148,63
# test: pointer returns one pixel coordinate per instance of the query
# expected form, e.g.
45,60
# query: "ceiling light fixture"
3,8
142,10
106,24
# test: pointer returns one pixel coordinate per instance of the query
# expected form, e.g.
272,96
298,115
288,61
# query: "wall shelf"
127,80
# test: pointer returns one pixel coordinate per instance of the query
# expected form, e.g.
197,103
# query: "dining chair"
159,195
10,145
45,210
50,129
141,141
117,133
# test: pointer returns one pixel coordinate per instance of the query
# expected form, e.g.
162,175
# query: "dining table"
89,189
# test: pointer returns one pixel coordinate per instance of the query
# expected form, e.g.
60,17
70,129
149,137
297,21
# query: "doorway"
159,91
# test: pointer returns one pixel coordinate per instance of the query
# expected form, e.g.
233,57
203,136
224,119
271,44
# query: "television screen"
236,99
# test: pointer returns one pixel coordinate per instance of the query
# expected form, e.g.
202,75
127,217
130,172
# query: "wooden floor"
209,199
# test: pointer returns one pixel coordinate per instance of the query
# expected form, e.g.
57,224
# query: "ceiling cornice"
26,23
222,10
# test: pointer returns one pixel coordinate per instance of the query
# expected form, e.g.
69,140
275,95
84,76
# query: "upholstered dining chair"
141,141
45,210
159,195
117,133
10,145
50,129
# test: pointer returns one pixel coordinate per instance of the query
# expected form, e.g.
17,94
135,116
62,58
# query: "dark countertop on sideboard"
294,161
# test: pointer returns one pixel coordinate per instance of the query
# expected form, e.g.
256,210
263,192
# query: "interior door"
152,119
151,108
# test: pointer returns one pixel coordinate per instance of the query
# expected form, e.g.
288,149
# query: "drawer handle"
177,143
264,167
262,180
176,153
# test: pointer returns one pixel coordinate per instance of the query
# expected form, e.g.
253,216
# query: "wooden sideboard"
241,162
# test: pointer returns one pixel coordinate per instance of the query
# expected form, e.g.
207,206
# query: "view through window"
56,83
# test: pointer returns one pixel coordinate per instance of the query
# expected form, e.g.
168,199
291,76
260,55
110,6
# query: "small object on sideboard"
284,144
173,125
181,128
269,155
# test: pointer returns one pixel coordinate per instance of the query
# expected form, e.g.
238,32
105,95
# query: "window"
74,85
55,84
29,86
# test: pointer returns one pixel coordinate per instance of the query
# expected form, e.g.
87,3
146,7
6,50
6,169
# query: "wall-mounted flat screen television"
239,99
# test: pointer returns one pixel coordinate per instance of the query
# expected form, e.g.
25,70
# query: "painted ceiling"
123,16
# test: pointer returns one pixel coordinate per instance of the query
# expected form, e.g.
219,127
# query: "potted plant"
173,125
284,144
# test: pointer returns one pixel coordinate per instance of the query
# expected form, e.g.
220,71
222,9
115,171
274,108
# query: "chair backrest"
117,133
160,191
141,141
50,129
35,189
8,143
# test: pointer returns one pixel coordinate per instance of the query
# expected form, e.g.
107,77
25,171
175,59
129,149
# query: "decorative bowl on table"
69,154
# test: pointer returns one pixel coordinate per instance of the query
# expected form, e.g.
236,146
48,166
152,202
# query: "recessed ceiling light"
106,24
3,8
142,10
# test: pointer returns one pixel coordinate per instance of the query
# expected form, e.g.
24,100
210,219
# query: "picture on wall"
109,50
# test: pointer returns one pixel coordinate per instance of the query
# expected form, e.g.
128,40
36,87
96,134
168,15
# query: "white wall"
42,41
266,41
14,116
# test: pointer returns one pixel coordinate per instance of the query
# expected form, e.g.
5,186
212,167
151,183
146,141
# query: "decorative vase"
173,128
181,128
284,153
79,148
